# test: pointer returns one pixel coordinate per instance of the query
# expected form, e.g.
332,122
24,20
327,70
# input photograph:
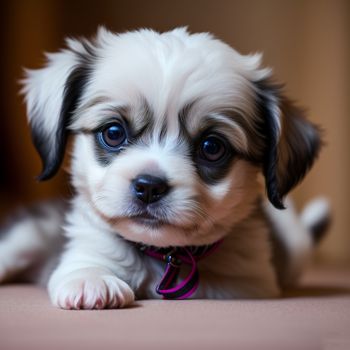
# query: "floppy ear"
292,142
52,94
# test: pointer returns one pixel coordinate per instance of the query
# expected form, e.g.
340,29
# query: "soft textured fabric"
316,316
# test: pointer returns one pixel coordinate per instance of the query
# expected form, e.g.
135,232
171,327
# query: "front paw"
89,289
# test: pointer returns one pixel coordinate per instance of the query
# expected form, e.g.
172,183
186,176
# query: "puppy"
176,139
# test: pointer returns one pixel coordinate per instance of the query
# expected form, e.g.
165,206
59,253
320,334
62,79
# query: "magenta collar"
174,257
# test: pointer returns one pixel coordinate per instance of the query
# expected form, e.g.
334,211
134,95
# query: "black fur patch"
213,172
290,155
210,172
320,228
103,156
267,102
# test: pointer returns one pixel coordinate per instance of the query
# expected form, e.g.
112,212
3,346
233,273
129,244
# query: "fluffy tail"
296,236
316,217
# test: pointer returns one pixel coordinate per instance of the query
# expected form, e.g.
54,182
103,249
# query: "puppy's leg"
87,279
29,241
89,287
98,270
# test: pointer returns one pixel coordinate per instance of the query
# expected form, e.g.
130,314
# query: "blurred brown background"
306,42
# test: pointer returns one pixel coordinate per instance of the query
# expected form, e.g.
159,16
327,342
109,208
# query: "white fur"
43,97
99,267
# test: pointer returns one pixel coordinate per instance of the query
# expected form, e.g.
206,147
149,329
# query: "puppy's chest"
244,254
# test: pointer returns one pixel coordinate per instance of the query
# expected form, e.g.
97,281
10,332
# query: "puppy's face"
171,131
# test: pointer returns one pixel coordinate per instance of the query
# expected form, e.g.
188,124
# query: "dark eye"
112,137
212,148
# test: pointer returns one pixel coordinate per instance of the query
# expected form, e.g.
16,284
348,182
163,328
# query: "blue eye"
112,137
212,149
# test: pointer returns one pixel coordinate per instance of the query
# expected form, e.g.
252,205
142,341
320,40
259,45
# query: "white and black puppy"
171,133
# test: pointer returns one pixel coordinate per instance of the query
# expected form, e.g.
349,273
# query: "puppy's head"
171,132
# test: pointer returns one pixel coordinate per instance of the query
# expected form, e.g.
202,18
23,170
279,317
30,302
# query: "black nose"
149,188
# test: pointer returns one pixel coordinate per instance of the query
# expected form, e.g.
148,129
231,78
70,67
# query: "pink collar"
174,257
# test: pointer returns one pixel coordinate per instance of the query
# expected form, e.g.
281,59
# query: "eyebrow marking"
236,135
142,120
100,110
91,103
95,113
185,111
163,131
251,125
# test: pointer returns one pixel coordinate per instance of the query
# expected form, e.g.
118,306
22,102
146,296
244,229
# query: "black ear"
52,95
292,142
51,146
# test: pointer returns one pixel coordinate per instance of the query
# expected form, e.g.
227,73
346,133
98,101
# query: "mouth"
148,220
